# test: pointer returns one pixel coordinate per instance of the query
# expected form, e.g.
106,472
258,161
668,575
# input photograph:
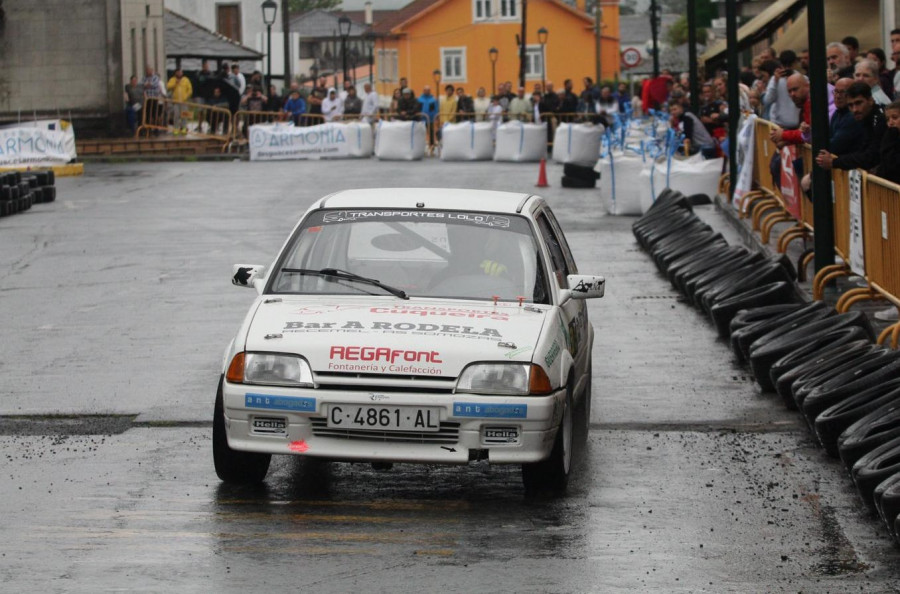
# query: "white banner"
41,142
857,251
745,149
275,142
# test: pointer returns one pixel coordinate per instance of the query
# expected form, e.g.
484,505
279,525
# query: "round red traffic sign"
631,57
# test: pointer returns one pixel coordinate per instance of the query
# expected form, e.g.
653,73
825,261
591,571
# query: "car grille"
375,381
448,433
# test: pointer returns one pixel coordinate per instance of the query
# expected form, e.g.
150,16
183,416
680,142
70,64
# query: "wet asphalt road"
117,305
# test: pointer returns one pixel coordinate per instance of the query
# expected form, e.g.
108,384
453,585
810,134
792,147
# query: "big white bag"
467,141
521,142
400,141
578,143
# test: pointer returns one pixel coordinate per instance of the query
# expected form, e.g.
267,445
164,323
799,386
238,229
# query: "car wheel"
584,412
552,474
244,468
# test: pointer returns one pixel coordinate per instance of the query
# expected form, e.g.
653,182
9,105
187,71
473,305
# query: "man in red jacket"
798,91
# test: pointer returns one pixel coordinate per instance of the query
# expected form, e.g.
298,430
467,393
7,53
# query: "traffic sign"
631,57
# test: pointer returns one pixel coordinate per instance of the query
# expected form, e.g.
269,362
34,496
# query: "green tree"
299,6
678,32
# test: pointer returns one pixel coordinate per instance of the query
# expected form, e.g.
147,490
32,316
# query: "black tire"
689,246
583,424
723,312
553,473
232,466
866,434
815,347
832,422
763,356
742,340
577,182
49,194
768,272
755,315
723,275
580,171
887,501
822,359
873,468
803,386
670,198
703,264
859,378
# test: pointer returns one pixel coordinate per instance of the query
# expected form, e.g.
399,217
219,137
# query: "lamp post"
370,47
436,75
269,10
344,26
542,39
493,53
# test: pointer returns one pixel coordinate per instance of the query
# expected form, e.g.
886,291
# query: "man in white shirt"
332,106
370,104
238,79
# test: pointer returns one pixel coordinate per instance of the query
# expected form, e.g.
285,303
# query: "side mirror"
586,286
248,275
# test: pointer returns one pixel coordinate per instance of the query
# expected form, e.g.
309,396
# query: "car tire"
866,434
835,420
552,474
580,171
759,334
232,466
873,468
814,348
764,356
577,182
887,501
723,312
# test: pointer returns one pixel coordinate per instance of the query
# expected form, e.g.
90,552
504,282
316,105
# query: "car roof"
431,198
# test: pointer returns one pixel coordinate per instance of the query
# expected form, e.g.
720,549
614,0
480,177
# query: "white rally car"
412,325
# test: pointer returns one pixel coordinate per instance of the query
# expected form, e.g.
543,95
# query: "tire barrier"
822,363
19,190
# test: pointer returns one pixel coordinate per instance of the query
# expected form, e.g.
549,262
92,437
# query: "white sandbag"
361,139
577,143
467,141
400,141
618,181
694,175
521,142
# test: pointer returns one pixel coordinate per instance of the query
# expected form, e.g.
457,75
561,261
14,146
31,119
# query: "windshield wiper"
336,273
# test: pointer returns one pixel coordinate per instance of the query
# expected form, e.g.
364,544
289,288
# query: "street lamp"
493,53
436,75
370,47
344,26
269,10
542,39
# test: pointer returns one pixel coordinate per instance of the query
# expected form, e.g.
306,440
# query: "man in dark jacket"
845,134
569,102
407,107
871,116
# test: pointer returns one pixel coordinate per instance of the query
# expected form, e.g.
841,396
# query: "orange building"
455,37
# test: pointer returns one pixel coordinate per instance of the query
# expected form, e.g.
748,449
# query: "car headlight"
270,369
503,378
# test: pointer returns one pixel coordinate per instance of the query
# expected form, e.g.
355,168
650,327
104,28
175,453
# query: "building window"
534,62
508,9
453,64
386,65
228,21
482,9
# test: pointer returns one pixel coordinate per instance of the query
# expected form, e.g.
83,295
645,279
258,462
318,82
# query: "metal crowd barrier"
879,234
198,120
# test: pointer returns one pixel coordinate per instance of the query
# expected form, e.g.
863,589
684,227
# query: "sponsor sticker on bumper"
271,402
490,411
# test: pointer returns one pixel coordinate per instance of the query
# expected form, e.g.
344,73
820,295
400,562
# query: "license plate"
384,418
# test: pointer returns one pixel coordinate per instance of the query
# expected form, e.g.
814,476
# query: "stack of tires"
18,190
822,364
579,176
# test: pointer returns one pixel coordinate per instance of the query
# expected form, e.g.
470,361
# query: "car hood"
411,337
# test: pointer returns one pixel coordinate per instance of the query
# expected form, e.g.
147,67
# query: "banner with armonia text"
274,142
39,142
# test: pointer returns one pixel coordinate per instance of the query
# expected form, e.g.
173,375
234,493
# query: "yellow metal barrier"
197,120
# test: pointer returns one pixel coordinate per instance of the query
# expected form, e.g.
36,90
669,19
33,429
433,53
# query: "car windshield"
423,253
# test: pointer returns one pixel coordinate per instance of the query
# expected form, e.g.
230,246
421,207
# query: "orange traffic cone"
542,175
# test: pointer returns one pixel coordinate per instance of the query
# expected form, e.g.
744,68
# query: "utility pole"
523,45
692,56
286,28
598,40
823,210
654,31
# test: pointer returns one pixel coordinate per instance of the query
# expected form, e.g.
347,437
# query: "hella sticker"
270,402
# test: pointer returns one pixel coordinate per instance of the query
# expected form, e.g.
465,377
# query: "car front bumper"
501,429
